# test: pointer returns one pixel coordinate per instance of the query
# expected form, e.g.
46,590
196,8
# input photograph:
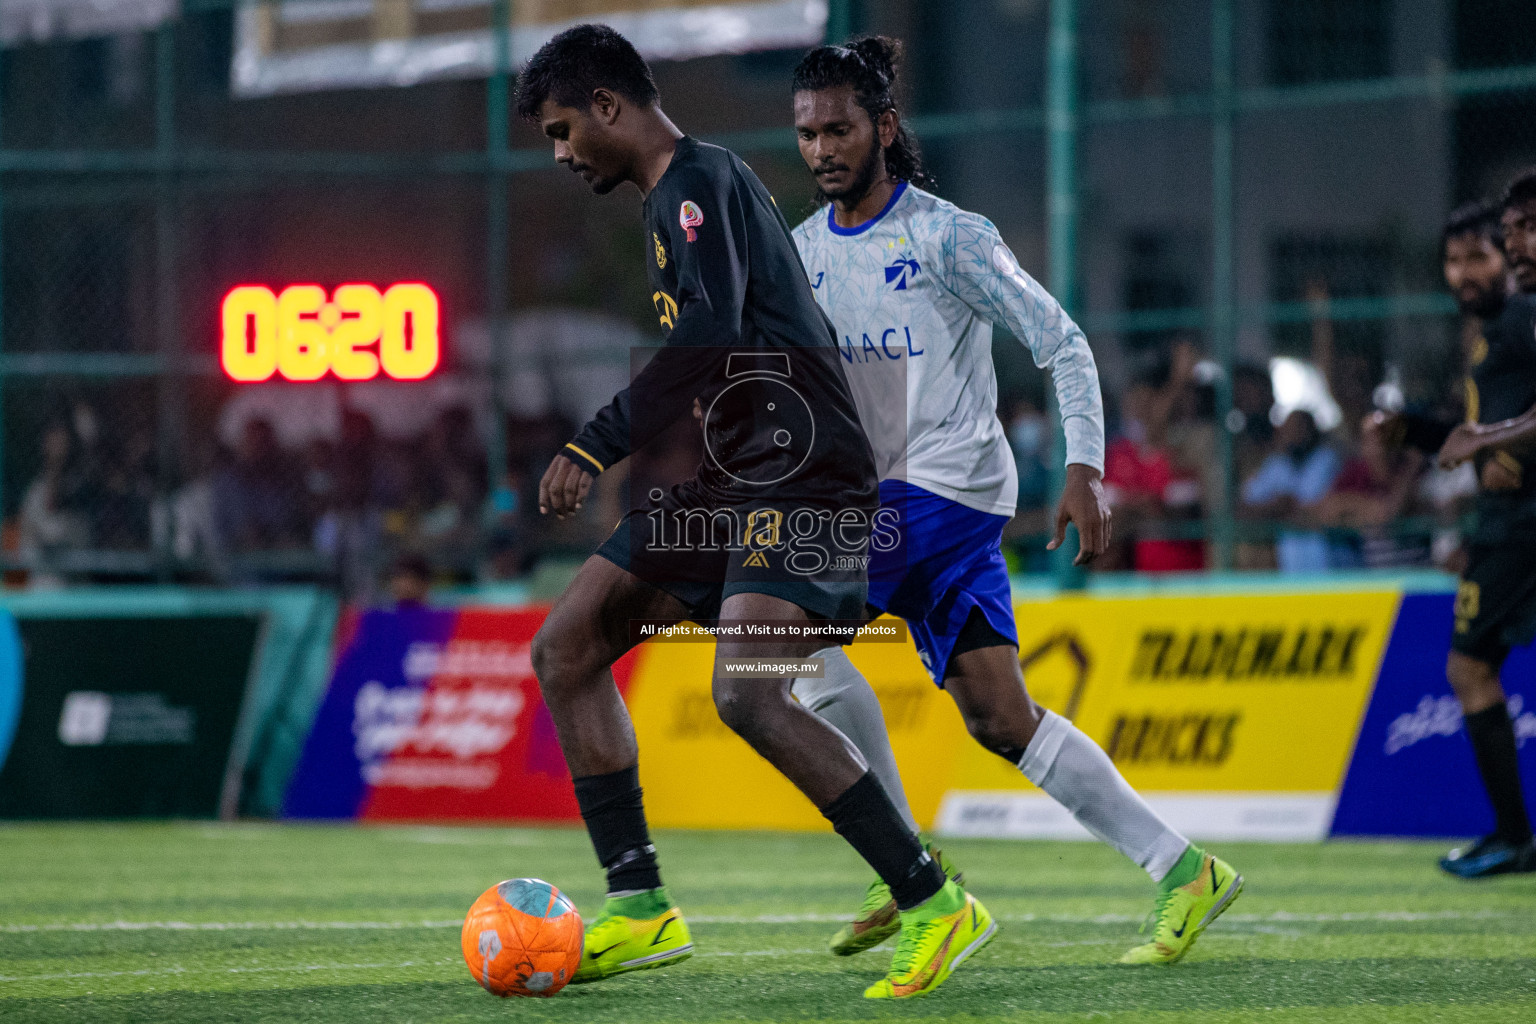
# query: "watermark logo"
805,541
759,430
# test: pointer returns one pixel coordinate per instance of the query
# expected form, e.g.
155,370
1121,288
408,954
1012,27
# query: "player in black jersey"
772,527
1496,601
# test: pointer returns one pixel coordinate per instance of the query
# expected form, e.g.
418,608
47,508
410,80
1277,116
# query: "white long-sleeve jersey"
914,294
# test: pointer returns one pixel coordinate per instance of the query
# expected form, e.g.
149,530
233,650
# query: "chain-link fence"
1240,200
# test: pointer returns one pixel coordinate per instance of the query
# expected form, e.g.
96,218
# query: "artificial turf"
260,922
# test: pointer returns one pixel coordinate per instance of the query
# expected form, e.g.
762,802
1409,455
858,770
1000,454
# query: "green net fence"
1240,200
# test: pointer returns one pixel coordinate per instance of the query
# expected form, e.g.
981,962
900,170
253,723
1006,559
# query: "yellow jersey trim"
584,455
1509,462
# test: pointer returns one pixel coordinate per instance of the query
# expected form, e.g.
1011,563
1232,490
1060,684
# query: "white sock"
845,701
1071,768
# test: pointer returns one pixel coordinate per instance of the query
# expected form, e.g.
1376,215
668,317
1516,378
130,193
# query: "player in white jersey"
914,286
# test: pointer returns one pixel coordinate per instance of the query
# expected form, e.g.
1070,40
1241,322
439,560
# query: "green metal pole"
840,21
171,404
1062,125
498,244
1223,276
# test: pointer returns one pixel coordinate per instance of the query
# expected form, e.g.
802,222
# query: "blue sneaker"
1490,856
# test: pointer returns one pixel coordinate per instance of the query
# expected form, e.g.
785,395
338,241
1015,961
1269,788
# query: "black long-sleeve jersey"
746,337
1500,384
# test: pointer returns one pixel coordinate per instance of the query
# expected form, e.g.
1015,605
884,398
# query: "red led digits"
299,334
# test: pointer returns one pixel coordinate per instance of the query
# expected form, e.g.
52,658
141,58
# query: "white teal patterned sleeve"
985,275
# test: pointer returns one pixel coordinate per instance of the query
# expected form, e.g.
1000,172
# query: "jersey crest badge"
1007,266
661,252
689,216
899,273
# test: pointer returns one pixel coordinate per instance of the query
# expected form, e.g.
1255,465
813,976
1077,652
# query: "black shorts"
702,552
1496,601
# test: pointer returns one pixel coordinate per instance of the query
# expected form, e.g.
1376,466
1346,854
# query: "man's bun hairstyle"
578,61
868,65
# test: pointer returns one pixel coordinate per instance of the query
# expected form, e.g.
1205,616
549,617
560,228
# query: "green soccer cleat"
1183,913
934,941
878,919
618,943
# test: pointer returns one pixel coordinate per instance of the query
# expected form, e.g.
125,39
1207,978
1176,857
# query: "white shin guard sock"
1071,768
844,700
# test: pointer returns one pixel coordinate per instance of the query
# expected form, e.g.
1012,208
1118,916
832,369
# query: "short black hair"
411,563
1480,218
1522,189
578,61
1154,371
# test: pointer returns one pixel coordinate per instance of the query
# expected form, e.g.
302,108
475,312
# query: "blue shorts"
948,560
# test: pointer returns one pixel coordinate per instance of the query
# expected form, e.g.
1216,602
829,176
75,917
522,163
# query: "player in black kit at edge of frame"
1495,605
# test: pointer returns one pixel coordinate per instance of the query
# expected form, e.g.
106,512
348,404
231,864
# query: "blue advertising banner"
10,682
1412,772
374,669
436,715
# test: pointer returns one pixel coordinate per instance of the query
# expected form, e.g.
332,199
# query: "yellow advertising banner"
1209,694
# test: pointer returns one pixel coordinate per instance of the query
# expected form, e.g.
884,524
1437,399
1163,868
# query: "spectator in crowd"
1253,396
510,555
1147,487
255,499
194,525
1031,438
353,500
451,451
410,580
52,517
451,526
1288,486
449,499
1372,490
399,489
319,479
350,531
1193,441
127,494
88,451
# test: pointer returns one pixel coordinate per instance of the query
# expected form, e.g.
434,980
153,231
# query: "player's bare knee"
559,659
746,706
998,712
1000,732
1474,681
734,704
546,656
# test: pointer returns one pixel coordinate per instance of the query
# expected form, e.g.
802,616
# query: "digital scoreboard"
355,333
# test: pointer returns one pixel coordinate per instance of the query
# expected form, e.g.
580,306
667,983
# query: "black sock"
615,817
1493,742
865,816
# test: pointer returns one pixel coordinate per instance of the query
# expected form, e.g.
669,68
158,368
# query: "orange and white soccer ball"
522,938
